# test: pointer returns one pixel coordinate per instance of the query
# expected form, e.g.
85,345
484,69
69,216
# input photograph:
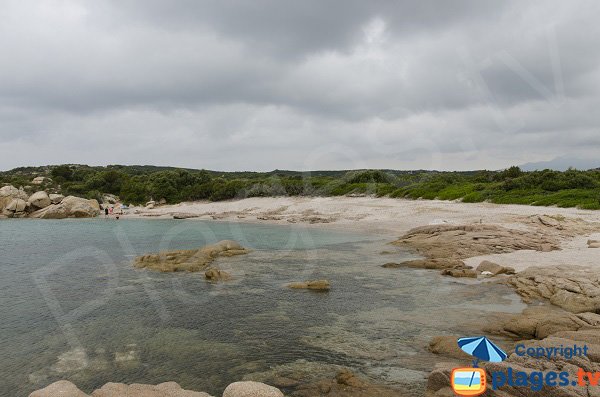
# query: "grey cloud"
277,84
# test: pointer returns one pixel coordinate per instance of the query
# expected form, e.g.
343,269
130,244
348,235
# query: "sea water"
73,307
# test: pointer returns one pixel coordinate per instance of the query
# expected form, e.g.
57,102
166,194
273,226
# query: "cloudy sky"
311,84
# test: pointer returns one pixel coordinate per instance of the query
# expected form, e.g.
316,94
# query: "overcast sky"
259,85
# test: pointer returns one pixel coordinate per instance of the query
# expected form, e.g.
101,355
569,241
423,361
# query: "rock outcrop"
189,260
315,285
7,195
38,180
465,241
69,207
572,288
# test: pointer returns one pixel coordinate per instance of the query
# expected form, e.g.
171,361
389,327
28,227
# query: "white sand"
393,217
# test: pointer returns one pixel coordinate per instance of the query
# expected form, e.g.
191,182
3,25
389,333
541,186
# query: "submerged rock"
214,274
317,285
345,384
189,260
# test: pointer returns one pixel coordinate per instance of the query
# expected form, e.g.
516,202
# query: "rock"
392,265
345,384
69,207
487,274
38,180
9,193
110,199
447,346
16,205
56,198
439,378
39,200
251,389
189,260
150,204
182,215
213,274
594,245
539,322
465,241
548,221
572,288
459,273
62,388
436,263
168,389
494,269
316,285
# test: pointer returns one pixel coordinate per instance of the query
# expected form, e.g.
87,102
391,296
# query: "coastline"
392,218
559,236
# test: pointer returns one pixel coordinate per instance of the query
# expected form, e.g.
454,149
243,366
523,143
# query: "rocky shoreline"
15,203
566,298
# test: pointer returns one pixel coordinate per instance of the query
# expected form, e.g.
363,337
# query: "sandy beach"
394,217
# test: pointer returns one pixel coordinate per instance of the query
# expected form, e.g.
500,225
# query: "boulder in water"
213,274
61,388
189,260
168,389
251,389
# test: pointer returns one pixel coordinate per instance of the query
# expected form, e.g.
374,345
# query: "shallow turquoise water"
73,307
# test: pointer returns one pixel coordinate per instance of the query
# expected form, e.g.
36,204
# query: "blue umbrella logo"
482,348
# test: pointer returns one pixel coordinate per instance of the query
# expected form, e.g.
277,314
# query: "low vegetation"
139,184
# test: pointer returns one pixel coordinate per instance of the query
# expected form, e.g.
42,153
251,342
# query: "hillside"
137,184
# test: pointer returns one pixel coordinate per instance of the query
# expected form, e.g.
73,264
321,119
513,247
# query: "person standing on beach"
110,210
106,212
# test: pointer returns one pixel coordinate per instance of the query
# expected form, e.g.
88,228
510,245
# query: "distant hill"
140,184
562,164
